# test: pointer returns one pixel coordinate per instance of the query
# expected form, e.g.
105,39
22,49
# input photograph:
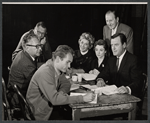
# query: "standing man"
121,69
45,89
23,67
113,26
40,31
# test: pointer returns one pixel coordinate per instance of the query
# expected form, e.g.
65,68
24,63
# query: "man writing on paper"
46,88
121,69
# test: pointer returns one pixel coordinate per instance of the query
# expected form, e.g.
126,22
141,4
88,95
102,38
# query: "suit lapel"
27,55
109,32
123,61
118,28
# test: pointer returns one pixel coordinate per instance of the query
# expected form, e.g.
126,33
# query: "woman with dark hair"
97,65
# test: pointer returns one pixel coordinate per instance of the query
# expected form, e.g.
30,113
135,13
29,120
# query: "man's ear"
57,59
117,19
124,45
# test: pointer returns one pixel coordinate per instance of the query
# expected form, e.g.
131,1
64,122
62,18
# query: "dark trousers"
61,113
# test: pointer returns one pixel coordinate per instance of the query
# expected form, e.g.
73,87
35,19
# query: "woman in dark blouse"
83,57
97,65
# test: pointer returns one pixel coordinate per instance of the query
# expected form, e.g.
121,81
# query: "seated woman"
97,65
83,57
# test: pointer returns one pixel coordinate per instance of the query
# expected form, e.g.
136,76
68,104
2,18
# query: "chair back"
28,115
142,95
6,107
145,84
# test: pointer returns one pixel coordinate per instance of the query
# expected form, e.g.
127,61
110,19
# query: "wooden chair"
6,108
143,93
27,113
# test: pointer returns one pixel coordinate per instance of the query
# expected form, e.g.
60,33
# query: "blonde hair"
87,36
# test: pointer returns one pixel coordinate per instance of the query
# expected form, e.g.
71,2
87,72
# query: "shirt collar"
122,55
83,53
32,58
114,30
57,72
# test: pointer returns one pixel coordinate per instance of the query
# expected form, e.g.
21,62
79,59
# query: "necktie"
117,64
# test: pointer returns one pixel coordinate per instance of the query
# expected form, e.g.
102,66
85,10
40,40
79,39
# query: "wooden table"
106,105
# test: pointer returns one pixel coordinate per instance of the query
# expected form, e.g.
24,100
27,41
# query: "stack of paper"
88,76
74,87
90,86
107,90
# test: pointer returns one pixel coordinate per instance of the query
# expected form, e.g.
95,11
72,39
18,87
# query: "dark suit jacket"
127,75
122,28
83,61
94,64
21,71
46,50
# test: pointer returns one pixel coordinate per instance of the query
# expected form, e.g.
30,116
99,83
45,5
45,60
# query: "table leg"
76,114
132,113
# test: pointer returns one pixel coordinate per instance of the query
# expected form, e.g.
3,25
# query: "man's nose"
108,22
112,47
40,48
68,66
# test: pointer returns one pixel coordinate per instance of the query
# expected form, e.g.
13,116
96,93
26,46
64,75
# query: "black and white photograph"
74,61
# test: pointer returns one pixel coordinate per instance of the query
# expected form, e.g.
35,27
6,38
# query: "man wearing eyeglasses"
40,32
23,67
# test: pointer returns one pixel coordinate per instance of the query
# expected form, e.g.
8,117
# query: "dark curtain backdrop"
65,23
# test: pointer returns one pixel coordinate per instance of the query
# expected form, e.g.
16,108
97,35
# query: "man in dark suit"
121,69
113,26
23,67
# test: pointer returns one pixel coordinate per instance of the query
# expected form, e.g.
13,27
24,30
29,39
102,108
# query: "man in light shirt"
126,75
113,26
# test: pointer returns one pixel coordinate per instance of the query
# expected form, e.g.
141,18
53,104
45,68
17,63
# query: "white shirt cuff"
129,89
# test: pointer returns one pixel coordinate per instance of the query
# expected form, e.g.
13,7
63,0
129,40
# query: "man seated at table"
123,72
23,67
45,89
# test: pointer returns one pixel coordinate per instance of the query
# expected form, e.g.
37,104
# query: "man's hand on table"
100,82
89,97
123,89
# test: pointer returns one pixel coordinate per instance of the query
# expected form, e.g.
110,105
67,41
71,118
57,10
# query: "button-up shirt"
113,31
120,59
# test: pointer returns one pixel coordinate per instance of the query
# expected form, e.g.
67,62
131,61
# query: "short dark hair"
28,37
114,12
42,24
101,42
62,51
122,37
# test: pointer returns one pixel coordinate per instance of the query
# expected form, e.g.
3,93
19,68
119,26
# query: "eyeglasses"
37,46
42,33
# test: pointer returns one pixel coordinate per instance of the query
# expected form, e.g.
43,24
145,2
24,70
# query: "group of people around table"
47,87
